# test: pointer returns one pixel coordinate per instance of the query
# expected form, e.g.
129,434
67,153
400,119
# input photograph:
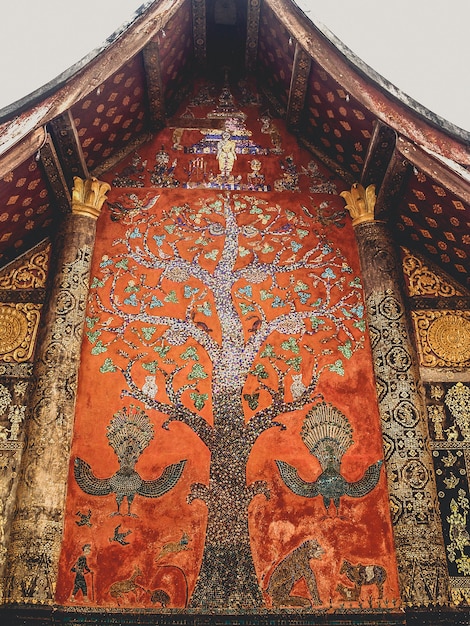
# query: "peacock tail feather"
327,433
129,432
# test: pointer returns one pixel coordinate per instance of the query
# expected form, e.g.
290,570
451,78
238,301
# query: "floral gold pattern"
18,328
31,273
443,337
423,281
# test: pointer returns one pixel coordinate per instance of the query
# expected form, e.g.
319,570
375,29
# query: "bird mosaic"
129,433
327,434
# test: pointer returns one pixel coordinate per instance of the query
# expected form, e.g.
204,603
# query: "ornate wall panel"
36,528
443,338
337,124
441,321
412,488
433,221
448,406
225,373
22,291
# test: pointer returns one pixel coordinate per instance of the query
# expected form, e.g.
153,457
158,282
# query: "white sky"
421,46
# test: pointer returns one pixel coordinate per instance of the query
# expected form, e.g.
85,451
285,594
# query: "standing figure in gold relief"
226,154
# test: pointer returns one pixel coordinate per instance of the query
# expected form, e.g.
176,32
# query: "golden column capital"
88,196
360,203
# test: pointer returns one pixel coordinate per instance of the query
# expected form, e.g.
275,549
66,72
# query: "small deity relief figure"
150,387
177,137
452,433
268,128
226,154
297,387
80,569
458,401
255,178
437,416
452,481
290,177
16,416
163,174
320,184
132,175
437,392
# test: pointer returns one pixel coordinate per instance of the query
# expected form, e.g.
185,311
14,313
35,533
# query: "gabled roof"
93,115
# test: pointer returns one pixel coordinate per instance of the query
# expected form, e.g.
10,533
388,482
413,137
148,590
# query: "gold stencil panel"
18,328
30,273
423,281
443,337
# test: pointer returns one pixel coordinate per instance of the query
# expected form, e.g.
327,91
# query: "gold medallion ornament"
18,328
443,337
449,337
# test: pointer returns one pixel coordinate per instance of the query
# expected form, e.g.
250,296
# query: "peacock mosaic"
227,453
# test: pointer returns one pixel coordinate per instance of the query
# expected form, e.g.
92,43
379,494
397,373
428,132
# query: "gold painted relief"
458,402
31,273
423,281
443,337
18,328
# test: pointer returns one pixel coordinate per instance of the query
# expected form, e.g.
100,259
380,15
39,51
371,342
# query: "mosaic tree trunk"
215,327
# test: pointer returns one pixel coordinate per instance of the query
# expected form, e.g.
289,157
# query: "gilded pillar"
36,532
411,483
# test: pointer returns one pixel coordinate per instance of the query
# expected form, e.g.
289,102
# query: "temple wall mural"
440,313
227,450
22,293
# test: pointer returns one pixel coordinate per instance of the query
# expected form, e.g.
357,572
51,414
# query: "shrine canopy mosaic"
227,452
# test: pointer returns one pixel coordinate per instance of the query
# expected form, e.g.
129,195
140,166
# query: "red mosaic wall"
226,384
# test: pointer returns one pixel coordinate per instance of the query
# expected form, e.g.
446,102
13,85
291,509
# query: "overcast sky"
421,46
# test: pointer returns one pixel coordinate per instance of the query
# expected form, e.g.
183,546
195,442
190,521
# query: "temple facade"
235,334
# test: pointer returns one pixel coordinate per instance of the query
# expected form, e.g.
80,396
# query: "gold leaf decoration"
443,337
18,328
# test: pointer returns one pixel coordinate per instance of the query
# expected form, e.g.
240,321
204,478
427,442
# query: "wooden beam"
391,190
23,151
68,147
298,86
378,156
450,176
154,86
252,35
332,165
121,154
199,31
55,177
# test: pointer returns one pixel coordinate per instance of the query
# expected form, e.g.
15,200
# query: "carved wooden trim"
154,85
298,86
379,154
252,35
199,30
55,176
68,147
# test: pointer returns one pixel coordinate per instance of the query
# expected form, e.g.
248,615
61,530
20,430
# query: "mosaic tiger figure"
292,568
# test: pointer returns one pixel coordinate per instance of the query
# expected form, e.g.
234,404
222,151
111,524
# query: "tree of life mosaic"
227,451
